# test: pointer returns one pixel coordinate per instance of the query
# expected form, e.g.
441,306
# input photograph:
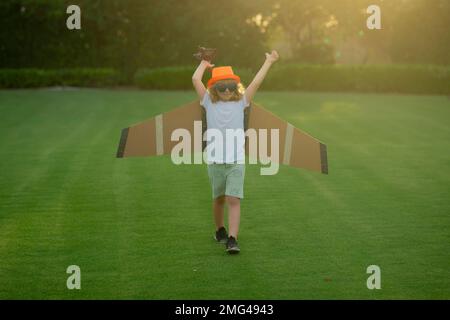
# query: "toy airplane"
153,136
205,53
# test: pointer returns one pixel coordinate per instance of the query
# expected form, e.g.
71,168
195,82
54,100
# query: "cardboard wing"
153,136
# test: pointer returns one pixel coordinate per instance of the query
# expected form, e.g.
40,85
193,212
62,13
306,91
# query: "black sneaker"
221,235
232,245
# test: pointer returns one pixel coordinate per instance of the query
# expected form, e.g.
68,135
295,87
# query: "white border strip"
288,143
159,134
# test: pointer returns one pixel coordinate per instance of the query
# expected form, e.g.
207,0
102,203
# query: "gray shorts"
227,179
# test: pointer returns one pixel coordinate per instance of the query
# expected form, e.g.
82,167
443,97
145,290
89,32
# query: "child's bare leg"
218,208
234,215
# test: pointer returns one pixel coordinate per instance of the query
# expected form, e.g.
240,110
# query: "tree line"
132,34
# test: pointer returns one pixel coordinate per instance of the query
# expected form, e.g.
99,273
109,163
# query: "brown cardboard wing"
296,148
153,136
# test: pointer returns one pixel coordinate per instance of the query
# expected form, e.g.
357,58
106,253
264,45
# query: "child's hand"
272,57
207,64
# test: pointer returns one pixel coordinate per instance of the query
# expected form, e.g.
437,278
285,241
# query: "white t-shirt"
221,116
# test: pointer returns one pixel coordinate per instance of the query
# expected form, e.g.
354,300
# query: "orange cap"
222,73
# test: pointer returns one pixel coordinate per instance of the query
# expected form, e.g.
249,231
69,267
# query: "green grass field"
141,228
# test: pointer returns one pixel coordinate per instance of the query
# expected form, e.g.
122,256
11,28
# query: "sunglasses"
222,87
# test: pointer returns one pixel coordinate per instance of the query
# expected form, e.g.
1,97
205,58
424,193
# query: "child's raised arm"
197,78
254,85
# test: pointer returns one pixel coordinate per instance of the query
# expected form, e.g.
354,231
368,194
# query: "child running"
224,101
